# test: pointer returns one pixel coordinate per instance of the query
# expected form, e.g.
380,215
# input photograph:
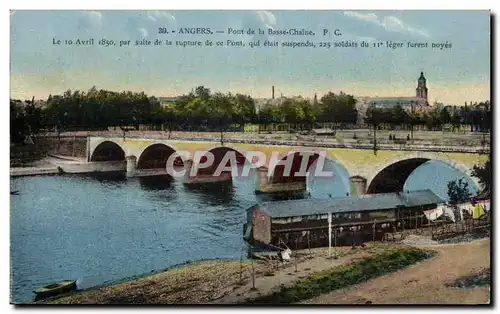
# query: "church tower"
421,87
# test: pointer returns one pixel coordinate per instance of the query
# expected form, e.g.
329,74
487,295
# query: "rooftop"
369,202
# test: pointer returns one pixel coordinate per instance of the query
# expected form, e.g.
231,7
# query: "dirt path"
286,275
425,282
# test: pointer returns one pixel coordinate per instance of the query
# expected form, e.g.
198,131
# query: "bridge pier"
131,165
358,186
203,178
264,186
261,180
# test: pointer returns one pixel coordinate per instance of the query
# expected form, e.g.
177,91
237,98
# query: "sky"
455,75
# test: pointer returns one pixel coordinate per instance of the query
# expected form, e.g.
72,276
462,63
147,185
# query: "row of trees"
330,108
477,116
203,110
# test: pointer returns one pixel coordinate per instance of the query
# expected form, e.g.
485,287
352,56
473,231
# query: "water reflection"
113,178
156,183
215,193
282,196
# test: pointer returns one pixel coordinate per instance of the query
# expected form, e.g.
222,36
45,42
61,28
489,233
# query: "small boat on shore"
14,192
55,289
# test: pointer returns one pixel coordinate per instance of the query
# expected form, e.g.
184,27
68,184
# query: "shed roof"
368,202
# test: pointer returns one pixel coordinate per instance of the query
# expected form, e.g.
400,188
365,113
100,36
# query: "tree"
458,192
244,108
484,175
269,114
17,121
290,110
309,112
222,112
398,115
338,108
444,116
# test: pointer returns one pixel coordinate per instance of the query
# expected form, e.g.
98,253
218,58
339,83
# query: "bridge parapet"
313,144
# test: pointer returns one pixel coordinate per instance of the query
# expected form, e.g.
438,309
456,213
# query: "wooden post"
373,232
241,267
308,242
394,230
335,244
253,276
296,244
462,218
329,235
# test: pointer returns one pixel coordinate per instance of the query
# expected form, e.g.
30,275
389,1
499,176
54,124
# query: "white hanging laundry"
448,211
486,204
285,255
434,214
467,207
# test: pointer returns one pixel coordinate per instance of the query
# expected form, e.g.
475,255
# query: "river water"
105,228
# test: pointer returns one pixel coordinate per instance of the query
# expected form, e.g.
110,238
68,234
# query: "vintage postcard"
250,157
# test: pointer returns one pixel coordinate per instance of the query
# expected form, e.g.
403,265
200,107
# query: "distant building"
421,90
416,103
263,103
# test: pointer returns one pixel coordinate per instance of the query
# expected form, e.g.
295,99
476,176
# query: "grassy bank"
343,276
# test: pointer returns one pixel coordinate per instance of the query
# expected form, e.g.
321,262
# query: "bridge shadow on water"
112,178
214,194
157,183
281,196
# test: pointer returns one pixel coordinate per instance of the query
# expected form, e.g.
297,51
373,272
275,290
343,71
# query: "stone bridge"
385,170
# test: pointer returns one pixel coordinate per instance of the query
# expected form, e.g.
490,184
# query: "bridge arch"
219,152
108,151
155,156
337,168
279,174
392,176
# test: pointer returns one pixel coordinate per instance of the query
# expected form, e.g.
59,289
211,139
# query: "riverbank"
218,282
32,171
215,281
56,164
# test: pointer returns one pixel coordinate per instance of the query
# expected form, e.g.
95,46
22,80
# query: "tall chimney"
273,91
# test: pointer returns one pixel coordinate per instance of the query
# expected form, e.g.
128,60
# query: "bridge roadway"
383,170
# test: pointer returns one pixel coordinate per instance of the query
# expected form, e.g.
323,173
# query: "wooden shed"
304,223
